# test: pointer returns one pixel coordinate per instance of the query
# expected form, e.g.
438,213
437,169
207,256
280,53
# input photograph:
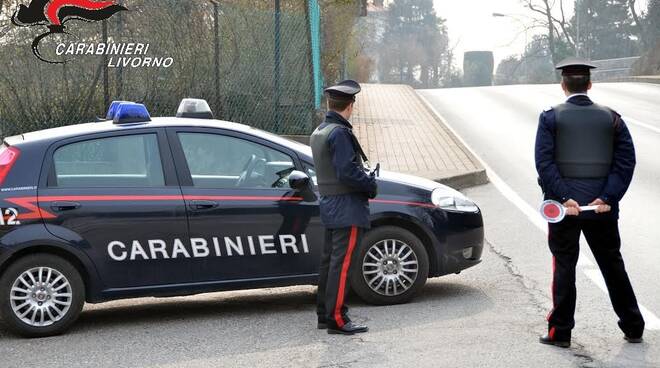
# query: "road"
499,125
487,316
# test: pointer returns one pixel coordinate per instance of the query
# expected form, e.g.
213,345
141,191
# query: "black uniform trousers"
603,238
338,250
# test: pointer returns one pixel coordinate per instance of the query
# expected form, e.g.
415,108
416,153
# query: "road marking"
584,263
640,124
652,322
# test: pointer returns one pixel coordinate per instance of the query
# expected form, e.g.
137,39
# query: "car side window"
220,161
310,171
125,161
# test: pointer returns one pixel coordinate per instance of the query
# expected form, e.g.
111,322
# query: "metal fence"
613,68
257,62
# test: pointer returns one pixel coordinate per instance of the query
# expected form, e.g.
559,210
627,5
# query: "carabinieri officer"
585,156
345,189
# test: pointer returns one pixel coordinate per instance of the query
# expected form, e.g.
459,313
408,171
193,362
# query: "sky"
472,26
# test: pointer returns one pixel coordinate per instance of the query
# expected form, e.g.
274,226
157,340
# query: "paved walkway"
396,129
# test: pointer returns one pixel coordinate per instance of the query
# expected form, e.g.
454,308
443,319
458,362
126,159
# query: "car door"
116,196
241,208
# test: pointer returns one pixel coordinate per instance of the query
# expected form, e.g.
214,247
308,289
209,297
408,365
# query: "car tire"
40,295
381,273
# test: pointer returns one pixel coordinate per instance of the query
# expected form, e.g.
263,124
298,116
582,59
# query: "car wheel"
40,295
391,265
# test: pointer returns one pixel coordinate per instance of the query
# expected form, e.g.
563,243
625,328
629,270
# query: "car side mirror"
298,180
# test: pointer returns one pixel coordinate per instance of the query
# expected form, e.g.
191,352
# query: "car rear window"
125,161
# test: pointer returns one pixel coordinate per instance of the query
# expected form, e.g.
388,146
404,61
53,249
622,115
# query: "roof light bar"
113,109
194,108
130,113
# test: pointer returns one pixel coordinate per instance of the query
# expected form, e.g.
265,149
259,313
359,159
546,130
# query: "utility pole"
119,74
276,71
577,23
216,55
106,87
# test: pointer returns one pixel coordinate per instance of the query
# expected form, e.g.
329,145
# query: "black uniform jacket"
584,191
351,209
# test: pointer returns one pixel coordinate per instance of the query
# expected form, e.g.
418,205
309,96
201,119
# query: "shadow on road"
269,307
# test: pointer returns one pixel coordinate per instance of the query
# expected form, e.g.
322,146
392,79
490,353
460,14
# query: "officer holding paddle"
585,157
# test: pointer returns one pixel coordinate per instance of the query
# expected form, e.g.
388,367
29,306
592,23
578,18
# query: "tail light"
8,156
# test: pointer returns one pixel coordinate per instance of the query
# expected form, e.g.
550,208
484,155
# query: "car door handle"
64,206
198,204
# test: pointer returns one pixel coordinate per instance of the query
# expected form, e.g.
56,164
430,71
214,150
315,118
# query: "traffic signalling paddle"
554,212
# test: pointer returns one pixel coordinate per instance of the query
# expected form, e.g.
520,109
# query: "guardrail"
613,68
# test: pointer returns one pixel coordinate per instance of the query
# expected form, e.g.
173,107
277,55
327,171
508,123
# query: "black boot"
348,329
547,340
633,340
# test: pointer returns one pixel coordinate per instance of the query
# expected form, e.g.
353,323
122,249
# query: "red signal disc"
551,210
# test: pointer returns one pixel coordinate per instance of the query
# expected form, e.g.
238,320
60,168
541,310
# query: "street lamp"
522,24
502,15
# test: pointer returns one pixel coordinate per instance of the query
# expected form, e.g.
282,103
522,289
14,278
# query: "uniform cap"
575,66
344,90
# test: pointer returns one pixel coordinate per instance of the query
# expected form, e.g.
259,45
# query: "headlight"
452,200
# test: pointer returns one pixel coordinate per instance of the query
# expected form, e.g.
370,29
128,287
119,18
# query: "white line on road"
585,264
643,125
652,322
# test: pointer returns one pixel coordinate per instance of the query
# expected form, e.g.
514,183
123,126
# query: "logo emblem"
55,13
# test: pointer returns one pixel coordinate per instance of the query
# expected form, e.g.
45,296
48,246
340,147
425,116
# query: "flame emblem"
55,13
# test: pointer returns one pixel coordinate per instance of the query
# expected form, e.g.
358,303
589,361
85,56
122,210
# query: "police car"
136,207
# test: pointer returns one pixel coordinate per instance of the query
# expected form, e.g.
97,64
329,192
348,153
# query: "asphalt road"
484,317
499,125
487,316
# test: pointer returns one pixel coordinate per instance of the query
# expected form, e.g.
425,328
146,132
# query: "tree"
557,27
507,71
415,45
535,66
652,21
607,29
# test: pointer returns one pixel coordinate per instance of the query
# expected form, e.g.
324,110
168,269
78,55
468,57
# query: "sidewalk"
396,129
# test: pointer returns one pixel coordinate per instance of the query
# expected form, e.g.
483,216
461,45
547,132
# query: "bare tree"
557,28
639,25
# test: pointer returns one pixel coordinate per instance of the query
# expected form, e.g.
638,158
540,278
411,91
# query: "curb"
461,181
464,181
652,79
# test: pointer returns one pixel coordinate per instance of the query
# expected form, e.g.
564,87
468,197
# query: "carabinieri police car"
135,207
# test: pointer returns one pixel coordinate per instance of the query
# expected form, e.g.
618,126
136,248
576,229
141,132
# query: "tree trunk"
551,34
641,33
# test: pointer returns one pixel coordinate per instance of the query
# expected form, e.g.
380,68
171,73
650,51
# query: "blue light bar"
130,112
113,109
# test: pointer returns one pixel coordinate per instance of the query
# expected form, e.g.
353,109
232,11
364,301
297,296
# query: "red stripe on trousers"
552,284
552,287
342,278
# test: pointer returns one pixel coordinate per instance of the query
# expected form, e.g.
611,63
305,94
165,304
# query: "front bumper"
462,239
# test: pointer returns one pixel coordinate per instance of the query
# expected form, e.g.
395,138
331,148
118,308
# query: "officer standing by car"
345,189
585,156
